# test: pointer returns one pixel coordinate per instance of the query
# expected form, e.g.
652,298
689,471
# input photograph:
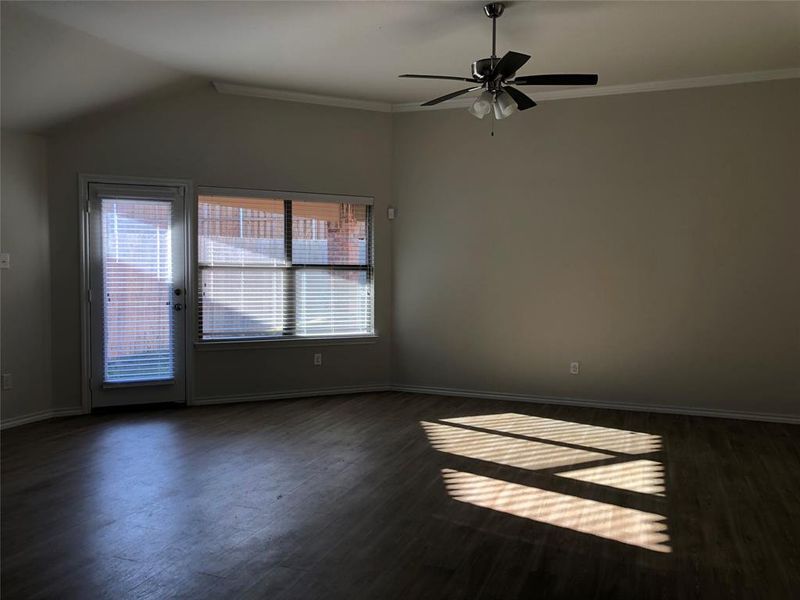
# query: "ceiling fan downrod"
493,10
483,67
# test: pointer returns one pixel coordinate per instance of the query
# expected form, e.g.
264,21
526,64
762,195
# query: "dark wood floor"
353,497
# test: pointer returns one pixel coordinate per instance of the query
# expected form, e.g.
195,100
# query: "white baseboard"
306,393
441,391
653,408
40,416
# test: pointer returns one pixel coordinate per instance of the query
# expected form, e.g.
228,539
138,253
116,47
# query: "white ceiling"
63,58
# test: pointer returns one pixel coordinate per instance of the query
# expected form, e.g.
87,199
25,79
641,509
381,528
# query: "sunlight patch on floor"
504,450
625,525
643,476
516,440
602,438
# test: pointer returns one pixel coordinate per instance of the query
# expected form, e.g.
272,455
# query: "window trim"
284,340
208,190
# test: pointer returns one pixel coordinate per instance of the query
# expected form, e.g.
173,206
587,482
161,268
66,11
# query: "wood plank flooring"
397,495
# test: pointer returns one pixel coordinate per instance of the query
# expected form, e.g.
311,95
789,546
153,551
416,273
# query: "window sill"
125,384
288,342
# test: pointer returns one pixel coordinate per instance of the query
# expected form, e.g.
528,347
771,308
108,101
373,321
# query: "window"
283,266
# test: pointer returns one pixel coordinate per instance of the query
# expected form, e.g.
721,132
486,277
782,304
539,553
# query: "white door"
137,294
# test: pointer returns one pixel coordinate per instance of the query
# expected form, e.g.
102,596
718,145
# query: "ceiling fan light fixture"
504,105
498,77
482,105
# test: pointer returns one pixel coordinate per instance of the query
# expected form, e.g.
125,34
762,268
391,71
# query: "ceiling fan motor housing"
483,67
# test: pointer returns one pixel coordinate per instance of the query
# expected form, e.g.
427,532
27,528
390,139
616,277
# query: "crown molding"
544,94
259,92
541,93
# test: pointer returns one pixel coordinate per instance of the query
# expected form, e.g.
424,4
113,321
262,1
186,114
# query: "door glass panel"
139,324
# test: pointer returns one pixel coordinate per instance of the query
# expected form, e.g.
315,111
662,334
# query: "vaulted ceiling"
63,59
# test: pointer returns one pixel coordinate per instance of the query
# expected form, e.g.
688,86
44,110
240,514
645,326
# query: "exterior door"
137,294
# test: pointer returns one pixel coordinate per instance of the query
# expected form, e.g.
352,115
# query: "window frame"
288,337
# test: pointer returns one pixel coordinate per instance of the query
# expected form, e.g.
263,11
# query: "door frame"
84,181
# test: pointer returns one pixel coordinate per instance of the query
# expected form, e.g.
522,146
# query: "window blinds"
277,267
137,290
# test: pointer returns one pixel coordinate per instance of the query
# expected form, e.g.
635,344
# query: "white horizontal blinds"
242,260
240,232
137,290
333,302
277,267
333,278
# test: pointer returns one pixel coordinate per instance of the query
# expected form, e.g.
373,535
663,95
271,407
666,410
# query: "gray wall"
653,237
25,293
228,141
650,236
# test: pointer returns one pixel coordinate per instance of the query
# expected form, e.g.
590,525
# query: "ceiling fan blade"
508,65
557,79
451,77
522,100
451,95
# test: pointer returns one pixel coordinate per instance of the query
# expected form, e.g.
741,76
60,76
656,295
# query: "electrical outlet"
7,382
318,359
574,368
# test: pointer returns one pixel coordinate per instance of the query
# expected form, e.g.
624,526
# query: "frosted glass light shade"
504,105
482,105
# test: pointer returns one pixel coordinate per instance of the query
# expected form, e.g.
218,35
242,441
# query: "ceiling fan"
495,76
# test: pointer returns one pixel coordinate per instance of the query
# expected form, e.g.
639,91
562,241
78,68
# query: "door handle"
177,306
